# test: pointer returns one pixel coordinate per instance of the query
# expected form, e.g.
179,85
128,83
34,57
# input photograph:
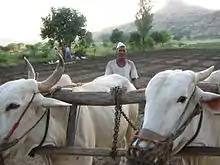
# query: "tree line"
135,39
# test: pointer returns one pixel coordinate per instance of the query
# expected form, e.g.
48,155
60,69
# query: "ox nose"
153,152
143,144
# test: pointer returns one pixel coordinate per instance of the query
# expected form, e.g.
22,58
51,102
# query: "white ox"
167,95
95,123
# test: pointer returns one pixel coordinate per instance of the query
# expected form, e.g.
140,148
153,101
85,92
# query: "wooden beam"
71,127
98,98
78,151
105,98
187,151
200,151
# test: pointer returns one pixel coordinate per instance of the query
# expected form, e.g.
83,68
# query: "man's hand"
134,82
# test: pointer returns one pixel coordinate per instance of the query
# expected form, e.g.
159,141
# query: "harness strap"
32,152
197,131
180,130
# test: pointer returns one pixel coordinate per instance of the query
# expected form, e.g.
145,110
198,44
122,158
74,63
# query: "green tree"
156,36
82,45
116,36
20,46
135,39
165,36
1,48
177,37
149,42
5,48
13,47
88,38
63,25
160,36
85,41
144,19
32,48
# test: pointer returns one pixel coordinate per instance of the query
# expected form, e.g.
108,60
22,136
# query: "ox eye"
12,106
181,99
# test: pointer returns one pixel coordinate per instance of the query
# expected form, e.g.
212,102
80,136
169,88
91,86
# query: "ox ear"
40,100
210,100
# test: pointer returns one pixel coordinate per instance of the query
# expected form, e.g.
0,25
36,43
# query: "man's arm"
108,69
134,74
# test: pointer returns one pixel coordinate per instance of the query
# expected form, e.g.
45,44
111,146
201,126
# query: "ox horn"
47,84
37,75
31,72
202,75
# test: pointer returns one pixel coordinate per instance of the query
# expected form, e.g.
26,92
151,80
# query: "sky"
21,19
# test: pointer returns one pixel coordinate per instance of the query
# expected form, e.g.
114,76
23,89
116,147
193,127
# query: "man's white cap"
120,44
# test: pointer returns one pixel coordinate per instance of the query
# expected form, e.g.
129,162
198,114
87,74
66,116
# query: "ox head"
171,96
15,96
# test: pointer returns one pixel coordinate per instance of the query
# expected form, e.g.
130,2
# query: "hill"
179,18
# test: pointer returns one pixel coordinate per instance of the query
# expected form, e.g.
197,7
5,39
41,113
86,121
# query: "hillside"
179,17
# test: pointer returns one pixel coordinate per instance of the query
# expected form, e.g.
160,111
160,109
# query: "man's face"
121,52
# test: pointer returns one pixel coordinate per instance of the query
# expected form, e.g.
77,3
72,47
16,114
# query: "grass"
208,45
7,58
103,50
201,41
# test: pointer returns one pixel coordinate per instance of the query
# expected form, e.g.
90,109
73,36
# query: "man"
67,53
121,65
